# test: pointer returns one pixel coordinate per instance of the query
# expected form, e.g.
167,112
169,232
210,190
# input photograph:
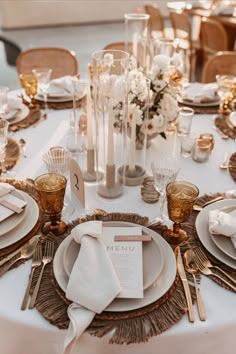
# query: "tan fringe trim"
61,105
222,125
32,118
12,154
202,110
232,166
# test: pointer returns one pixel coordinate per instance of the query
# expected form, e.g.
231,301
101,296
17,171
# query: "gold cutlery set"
194,261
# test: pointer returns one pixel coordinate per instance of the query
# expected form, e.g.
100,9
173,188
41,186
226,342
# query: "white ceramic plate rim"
153,293
224,243
27,224
15,219
204,235
199,104
54,99
150,275
21,115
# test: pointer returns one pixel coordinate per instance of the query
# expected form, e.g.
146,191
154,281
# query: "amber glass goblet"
51,190
181,196
30,85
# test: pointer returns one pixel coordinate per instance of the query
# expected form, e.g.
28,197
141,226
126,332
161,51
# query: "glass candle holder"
110,70
202,150
137,40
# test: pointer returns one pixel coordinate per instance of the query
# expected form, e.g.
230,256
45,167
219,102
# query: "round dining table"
28,332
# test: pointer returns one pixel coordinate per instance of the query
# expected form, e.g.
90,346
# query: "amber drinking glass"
51,190
30,85
181,196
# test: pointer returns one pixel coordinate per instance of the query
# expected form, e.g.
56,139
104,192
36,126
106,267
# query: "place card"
9,199
127,260
77,182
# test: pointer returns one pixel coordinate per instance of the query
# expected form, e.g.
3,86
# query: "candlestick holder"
110,103
84,128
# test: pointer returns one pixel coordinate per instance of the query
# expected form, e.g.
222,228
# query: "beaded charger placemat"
127,327
33,117
12,153
232,166
224,128
202,110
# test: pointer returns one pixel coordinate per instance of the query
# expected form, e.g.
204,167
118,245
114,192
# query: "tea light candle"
89,120
110,144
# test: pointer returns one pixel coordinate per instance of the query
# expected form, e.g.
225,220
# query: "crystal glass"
43,76
30,85
181,196
184,121
165,46
57,160
51,188
164,171
137,39
3,100
110,70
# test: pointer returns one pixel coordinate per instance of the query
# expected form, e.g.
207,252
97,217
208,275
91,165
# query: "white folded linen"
13,103
222,223
93,283
5,188
199,93
65,85
224,10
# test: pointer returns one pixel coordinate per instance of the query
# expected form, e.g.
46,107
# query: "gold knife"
25,251
184,280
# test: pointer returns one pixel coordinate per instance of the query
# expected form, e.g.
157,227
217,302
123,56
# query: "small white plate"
202,228
152,258
26,225
21,115
15,219
223,242
151,294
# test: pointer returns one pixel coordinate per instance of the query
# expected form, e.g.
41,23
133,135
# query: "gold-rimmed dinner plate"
202,228
15,219
22,113
152,258
223,242
151,294
26,225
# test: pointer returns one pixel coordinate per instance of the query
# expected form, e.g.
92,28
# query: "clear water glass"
43,76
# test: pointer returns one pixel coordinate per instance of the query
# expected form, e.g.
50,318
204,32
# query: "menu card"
5,212
127,260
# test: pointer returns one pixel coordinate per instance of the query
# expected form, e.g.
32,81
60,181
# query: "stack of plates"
59,94
220,247
200,95
17,115
18,226
159,268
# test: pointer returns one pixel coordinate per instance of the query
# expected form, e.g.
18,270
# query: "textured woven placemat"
33,117
221,124
202,110
194,241
61,105
232,166
127,327
12,153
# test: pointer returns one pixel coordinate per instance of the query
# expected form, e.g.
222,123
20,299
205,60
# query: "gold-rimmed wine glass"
30,85
181,196
51,188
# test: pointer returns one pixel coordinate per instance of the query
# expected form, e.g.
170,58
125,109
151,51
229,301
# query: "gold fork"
47,258
36,262
205,261
207,271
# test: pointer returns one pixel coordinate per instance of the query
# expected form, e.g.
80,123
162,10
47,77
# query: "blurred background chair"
12,50
213,38
157,23
62,61
222,63
188,35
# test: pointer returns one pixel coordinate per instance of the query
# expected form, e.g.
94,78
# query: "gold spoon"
192,268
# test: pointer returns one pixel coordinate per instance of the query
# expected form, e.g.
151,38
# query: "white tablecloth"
27,332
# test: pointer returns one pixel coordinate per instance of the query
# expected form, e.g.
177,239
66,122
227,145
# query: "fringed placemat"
222,125
33,117
12,153
129,326
61,105
201,110
194,241
232,166
25,187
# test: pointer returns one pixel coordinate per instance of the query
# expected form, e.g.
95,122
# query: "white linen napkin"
5,193
5,188
200,93
64,85
222,223
93,283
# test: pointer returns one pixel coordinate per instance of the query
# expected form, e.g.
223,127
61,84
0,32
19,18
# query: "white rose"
162,62
169,107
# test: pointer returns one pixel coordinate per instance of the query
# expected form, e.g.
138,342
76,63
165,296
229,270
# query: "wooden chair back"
214,38
62,61
156,21
222,63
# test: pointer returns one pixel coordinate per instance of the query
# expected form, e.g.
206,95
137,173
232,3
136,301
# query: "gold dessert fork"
205,261
36,262
47,258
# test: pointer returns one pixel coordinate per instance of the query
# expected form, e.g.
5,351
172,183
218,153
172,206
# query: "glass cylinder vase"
137,39
110,69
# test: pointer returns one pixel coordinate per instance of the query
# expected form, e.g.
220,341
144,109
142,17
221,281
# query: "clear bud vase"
137,39
110,69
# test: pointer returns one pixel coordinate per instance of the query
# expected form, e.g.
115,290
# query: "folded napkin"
5,194
5,188
93,283
200,93
13,103
65,85
221,223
